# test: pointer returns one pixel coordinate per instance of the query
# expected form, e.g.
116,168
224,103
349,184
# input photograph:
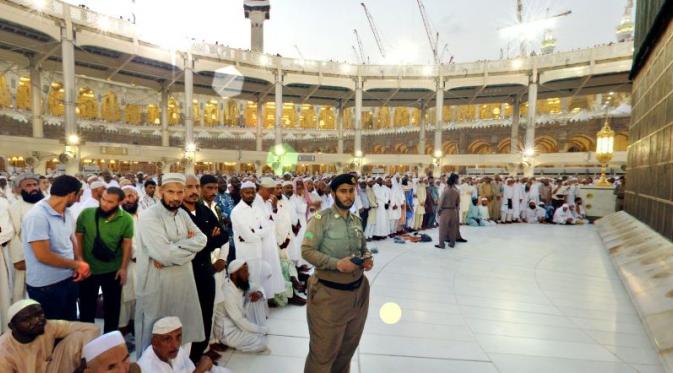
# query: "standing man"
128,304
44,185
97,189
148,199
333,241
202,265
30,195
226,200
449,219
54,263
104,236
169,240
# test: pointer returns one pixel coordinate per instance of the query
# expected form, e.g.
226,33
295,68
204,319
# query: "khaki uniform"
336,317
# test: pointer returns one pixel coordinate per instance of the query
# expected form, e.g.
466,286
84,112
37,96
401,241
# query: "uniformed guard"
338,291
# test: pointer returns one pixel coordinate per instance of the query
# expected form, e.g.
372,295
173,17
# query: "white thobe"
150,362
171,289
396,200
507,193
561,217
466,193
300,207
127,309
17,211
146,202
239,322
483,211
533,216
534,192
270,246
519,199
382,225
78,207
6,234
249,230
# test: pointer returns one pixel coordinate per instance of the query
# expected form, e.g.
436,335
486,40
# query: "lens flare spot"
390,313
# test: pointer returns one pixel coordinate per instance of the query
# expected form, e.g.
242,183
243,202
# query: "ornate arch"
110,107
505,145
581,143
55,99
479,147
87,104
621,141
23,94
449,148
546,144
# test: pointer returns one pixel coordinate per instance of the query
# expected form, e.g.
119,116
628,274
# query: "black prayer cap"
208,179
342,179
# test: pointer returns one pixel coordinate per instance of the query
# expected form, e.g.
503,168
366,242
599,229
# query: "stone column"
278,137
532,105
36,101
260,125
316,110
439,106
357,142
340,127
241,114
391,112
202,114
69,87
477,112
164,115
514,138
189,112
421,131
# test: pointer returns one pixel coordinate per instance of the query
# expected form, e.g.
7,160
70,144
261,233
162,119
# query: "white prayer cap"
91,179
278,182
248,184
3,177
166,325
267,182
101,344
307,179
286,183
174,178
98,184
235,265
18,306
131,187
565,205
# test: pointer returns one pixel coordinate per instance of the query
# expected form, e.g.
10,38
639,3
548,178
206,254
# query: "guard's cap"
342,179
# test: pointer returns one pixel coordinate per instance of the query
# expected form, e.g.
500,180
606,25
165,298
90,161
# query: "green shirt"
112,232
330,237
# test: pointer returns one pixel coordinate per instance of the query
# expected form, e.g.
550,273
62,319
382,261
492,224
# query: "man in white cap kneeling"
240,320
166,353
30,344
108,353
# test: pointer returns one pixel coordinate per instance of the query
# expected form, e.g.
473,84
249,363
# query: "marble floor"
515,298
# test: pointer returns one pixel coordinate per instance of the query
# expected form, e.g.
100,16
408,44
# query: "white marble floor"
515,298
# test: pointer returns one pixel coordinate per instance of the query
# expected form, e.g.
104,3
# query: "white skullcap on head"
166,325
101,344
18,306
565,205
98,184
248,184
267,182
127,187
278,182
286,183
307,179
174,178
235,265
91,178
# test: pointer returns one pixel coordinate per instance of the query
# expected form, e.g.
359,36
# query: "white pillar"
164,115
69,87
340,127
279,108
357,142
202,114
477,112
514,137
439,106
316,110
391,112
532,105
189,112
421,132
36,101
260,126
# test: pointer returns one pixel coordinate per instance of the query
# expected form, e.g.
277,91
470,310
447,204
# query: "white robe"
532,216
240,323
382,225
270,245
150,362
171,289
561,217
519,199
466,193
534,192
507,214
6,234
299,205
128,306
249,230
78,207
17,211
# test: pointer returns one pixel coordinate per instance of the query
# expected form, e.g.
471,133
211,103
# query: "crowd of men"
177,260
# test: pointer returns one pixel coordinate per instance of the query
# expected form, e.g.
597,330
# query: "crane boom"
360,48
429,31
377,37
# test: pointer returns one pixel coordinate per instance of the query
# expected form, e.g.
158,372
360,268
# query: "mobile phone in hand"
357,261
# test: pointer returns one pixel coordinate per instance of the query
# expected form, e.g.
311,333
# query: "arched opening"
546,144
55,98
23,93
110,108
173,111
87,105
479,147
581,143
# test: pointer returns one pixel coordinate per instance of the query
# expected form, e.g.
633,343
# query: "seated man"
533,214
563,215
474,217
108,353
240,320
578,211
166,353
30,343
483,211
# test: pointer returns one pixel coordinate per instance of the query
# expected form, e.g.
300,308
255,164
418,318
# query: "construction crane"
377,37
299,52
433,40
361,50
520,22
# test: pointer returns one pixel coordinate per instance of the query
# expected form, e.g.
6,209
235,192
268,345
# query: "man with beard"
30,195
5,189
283,218
104,235
449,210
148,199
54,264
239,320
226,200
44,185
96,188
37,344
324,193
128,304
338,290
169,240
202,265
381,227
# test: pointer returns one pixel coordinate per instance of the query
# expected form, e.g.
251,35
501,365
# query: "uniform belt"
348,287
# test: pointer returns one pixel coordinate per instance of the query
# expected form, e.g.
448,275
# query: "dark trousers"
59,300
205,287
112,296
364,215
